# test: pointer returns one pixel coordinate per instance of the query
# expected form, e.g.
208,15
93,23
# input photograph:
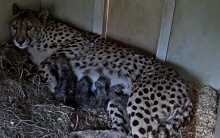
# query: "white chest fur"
37,56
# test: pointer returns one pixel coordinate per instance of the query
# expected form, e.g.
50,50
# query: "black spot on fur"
154,109
45,46
111,112
163,106
139,115
135,123
140,93
146,91
148,82
147,112
172,96
159,88
159,94
155,102
152,97
138,100
132,114
146,120
173,89
134,107
172,102
163,97
142,108
168,109
77,64
142,131
168,87
112,105
149,128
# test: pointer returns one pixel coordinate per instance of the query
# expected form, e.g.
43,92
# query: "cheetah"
158,100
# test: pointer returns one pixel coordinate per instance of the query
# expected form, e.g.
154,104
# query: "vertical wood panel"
100,20
165,30
99,8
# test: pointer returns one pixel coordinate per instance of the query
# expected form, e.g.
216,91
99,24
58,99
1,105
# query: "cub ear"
43,15
15,8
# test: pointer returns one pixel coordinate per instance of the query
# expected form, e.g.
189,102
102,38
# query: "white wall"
194,48
136,22
78,12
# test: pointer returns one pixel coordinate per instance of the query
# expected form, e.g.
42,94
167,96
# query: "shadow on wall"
184,73
51,9
187,75
143,51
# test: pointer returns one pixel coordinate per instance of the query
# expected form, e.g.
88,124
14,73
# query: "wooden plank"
165,30
105,19
98,20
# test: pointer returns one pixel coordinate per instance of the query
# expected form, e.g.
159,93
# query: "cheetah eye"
14,27
29,28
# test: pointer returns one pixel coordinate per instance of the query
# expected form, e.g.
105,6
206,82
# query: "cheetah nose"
20,42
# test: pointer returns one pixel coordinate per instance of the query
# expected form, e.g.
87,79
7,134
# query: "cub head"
27,26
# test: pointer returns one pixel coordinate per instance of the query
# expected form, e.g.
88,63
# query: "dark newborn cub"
79,94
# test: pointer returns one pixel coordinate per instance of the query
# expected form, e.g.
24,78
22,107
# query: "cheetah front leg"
48,77
49,72
71,51
68,50
117,109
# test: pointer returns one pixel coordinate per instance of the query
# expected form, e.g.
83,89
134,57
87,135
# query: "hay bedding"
27,108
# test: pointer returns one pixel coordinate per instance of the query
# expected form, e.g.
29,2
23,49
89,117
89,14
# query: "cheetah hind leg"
118,121
117,109
49,70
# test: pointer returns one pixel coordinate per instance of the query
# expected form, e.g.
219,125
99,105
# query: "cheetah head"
27,26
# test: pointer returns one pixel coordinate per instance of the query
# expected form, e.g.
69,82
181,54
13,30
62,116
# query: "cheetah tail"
177,120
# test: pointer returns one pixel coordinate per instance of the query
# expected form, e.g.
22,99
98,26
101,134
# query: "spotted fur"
158,100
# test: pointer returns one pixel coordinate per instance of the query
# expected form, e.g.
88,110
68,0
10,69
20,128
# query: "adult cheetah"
158,99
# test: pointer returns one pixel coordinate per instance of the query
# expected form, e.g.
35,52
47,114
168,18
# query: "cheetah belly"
115,79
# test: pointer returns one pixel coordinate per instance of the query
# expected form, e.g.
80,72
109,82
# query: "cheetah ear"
15,8
43,15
